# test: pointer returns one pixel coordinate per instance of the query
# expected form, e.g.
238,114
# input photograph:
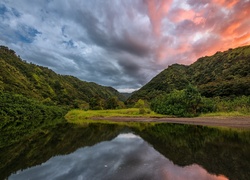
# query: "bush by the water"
182,103
17,107
20,116
189,103
240,104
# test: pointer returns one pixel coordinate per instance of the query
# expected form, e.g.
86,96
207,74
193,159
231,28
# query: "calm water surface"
163,151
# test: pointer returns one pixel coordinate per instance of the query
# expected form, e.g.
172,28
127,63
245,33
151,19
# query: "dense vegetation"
20,116
41,83
225,74
217,83
189,103
185,102
33,97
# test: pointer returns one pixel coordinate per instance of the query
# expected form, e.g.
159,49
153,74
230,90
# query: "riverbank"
133,115
232,122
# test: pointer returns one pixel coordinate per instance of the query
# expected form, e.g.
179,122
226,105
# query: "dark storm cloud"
112,31
129,67
131,45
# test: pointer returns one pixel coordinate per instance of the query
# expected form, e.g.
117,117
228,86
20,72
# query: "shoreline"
230,122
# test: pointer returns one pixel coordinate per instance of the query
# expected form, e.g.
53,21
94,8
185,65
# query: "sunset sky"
121,43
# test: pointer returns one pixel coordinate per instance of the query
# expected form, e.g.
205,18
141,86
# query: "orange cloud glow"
182,14
231,29
189,173
242,40
156,12
226,3
218,26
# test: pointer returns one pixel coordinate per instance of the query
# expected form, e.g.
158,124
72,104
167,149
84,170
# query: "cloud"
156,12
121,43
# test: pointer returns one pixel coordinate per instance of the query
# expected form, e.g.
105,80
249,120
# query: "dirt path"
235,122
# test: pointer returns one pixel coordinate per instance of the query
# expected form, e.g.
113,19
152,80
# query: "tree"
112,103
84,106
193,98
96,103
139,104
183,103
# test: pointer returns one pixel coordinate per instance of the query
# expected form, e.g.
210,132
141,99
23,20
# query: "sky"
121,43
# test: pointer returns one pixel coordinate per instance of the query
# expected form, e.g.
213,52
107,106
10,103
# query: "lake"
129,151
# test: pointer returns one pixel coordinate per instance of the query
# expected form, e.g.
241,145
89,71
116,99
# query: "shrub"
182,103
142,111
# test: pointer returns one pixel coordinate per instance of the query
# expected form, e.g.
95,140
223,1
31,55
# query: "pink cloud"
226,3
190,172
205,28
156,11
179,14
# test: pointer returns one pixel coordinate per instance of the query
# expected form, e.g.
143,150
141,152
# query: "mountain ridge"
222,74
41,83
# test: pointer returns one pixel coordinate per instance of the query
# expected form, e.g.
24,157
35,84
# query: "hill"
223,74
41,83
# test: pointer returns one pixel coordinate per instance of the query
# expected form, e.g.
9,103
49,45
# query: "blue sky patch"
69,44
26,34
15,12
3,9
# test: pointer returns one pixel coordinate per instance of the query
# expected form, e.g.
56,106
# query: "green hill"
223,74
43,84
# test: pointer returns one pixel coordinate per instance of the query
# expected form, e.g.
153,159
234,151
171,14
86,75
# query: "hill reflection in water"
127,156
128,151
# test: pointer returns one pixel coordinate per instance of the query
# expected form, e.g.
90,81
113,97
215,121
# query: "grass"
226,114
83,118
76,115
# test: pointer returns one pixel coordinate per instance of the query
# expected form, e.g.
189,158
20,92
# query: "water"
141,151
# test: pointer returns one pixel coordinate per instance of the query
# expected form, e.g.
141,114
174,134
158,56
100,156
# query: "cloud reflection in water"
126,157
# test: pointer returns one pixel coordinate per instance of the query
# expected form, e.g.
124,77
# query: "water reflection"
96,150
127,156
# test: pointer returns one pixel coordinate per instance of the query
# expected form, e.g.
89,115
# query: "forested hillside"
223,74
41,83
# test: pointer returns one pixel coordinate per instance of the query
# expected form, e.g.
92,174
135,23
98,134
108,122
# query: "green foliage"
240,104
97,103
208,105
139,104
83,105
189,102
226,106
20,116
170,104
142,105
182,103
223,74
142,111
80,116
112,103
41,83
165,82
192,99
